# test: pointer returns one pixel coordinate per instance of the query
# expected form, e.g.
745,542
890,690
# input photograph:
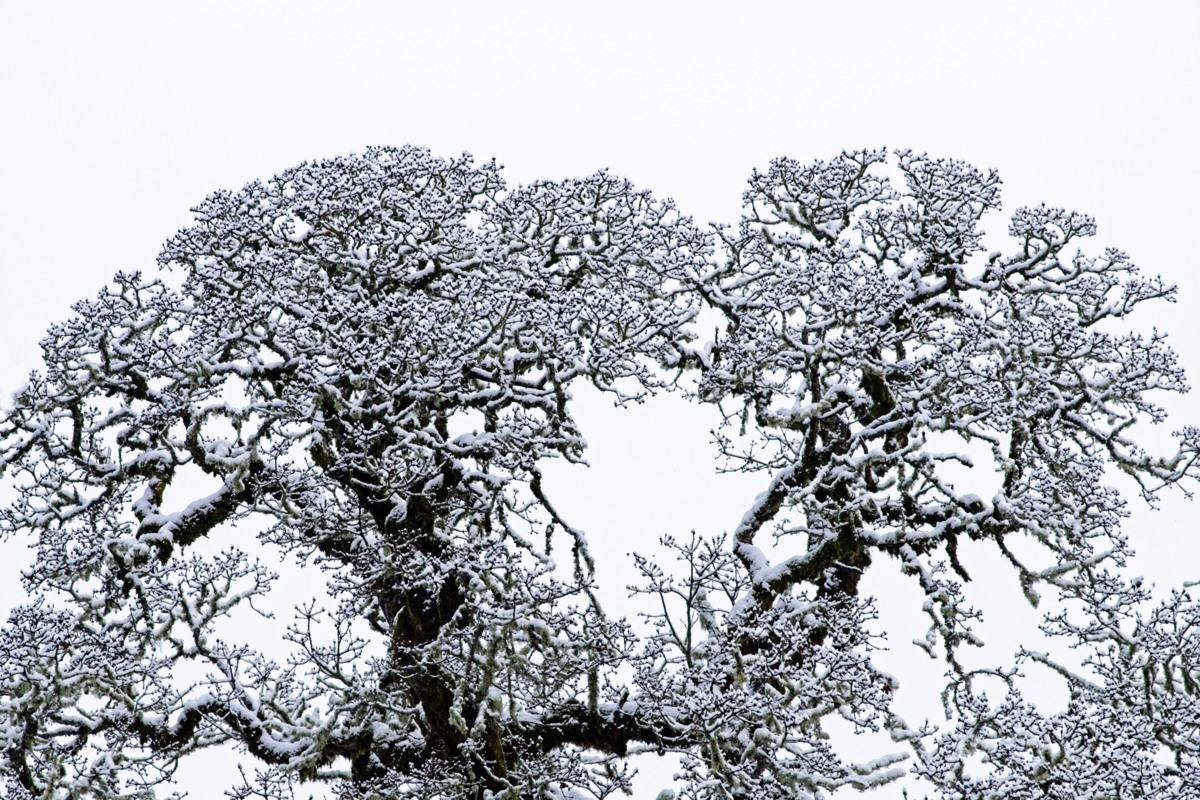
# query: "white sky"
116,118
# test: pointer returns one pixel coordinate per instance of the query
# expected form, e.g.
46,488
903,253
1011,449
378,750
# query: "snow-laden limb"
747,691
1132,729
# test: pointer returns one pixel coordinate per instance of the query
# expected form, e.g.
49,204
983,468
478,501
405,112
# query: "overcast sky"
116,118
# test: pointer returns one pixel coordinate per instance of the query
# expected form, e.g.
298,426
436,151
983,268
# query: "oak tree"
363,365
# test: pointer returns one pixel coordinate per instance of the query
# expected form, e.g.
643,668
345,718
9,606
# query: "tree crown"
366,361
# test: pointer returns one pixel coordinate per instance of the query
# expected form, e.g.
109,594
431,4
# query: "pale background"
116,117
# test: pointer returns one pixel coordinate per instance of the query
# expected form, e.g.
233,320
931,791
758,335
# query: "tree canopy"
364,363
